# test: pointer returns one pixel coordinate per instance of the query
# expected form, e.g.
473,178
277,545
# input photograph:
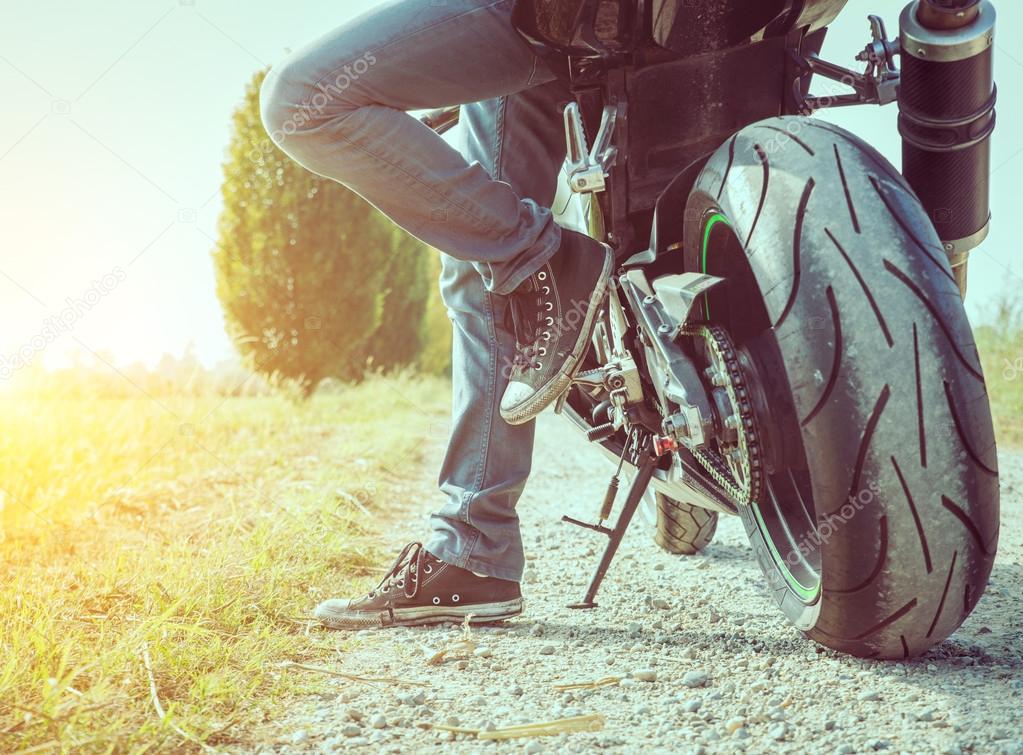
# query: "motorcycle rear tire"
878,366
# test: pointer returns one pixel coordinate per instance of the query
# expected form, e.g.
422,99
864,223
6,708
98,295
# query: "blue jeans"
338,107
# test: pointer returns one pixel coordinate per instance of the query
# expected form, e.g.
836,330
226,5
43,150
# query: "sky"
116,119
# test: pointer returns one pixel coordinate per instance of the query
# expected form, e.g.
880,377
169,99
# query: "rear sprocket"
734,459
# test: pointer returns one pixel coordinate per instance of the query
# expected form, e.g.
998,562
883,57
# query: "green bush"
314,282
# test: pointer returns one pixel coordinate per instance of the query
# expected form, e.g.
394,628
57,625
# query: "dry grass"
161,557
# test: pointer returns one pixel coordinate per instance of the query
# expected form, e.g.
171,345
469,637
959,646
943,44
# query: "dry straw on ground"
591,722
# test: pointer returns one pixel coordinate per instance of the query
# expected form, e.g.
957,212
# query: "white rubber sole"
479,613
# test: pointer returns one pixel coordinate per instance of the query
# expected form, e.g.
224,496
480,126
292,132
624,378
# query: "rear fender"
669,214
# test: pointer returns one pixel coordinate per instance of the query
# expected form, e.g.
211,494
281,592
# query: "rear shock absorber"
946,118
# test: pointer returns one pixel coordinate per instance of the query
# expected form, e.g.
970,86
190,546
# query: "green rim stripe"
803,592
714,219
806,593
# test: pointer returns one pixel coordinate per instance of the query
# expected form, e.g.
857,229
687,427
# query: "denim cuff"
440,545
525,265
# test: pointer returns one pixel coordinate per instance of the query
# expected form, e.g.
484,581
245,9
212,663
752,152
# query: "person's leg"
518,139
338,105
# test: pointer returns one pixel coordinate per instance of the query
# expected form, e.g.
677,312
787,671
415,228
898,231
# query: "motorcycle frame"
642,215
653,80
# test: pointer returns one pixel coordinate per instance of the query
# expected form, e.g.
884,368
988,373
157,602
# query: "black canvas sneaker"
553,315
422,589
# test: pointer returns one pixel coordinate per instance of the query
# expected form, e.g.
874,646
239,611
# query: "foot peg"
603,432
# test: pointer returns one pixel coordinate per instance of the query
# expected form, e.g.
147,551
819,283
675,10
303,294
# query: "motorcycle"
784,339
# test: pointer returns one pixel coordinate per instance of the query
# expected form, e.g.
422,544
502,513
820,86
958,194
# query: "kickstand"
636,491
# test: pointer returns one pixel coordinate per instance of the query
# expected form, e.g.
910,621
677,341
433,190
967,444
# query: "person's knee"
282,105
293,104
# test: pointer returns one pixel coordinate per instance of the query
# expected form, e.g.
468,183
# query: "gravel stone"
734,724
695,678
722,653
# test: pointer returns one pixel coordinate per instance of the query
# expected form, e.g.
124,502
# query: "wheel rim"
786,522
786,515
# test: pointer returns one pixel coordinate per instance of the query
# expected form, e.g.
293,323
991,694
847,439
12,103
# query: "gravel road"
706,660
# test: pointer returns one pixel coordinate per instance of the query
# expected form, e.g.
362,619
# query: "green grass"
1001,352
202,530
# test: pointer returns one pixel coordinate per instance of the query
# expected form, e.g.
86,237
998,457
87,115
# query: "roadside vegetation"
167,552
1001,351
164,536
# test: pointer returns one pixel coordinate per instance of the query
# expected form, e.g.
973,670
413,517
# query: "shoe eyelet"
455,598
427,569
436,601
543,351
546,335
542,275
550,322
401,584
546,290
537,366
550,306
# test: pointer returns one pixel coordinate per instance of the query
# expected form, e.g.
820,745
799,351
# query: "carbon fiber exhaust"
946,118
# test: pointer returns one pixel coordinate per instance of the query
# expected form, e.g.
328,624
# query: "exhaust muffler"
946,118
